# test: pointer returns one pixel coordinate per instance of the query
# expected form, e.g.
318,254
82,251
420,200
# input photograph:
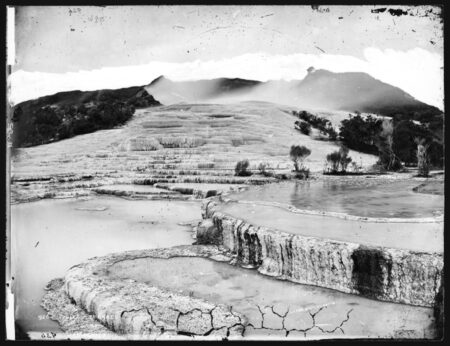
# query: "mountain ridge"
347,91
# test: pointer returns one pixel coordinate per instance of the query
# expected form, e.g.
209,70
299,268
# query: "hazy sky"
64,48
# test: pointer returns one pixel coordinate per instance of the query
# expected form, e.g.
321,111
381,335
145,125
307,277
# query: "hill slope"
170,92
189,143
320,89
65,114
352,91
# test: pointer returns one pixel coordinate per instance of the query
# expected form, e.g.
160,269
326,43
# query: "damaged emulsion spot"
379,10
420,11
397,12
370,267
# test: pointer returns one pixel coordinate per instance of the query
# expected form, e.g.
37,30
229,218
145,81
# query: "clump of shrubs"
338,161
330,131
241,169
303,127
310,120
361,133
262,167
298,154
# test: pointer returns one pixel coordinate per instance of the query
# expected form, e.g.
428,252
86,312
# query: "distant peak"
159,79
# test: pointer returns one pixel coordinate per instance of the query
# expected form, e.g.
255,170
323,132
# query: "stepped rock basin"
171,190
327,273
139,292
246,290
396,259
364,211
171,147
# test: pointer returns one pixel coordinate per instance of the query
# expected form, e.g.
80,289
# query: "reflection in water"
367,199
246,289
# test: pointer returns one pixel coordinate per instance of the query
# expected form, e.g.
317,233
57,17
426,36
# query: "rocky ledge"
394,275
87,300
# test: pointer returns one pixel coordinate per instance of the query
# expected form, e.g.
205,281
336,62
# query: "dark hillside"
70,113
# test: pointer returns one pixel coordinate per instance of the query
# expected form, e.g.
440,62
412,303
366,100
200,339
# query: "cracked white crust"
139,309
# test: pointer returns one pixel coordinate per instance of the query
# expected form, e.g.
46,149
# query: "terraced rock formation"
167,294
178,144
388,274
133,309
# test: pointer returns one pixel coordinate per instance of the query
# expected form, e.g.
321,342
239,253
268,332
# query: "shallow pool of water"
359,197
50,236
417,236
133,188
246,290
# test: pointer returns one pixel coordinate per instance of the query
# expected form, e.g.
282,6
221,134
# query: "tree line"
396,140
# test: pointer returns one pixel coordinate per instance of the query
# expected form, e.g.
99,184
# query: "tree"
333,159
298,153
360,133
332,134
405,146
344,159
46,122
387,157
423,163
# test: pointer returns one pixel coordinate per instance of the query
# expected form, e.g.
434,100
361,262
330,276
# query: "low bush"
262,167
241,169
302,173
338,161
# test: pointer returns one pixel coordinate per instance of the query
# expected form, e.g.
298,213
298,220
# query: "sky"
65,48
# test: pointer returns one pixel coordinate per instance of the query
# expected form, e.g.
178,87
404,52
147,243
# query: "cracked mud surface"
135,294
138,310
274,307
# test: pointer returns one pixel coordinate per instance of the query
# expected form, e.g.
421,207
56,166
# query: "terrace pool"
252,294
357,196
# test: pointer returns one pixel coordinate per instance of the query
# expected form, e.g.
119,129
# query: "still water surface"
358,197
246,289
50,236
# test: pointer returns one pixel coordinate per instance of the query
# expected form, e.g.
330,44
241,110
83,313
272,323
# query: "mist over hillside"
170,92
66,114
320,89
